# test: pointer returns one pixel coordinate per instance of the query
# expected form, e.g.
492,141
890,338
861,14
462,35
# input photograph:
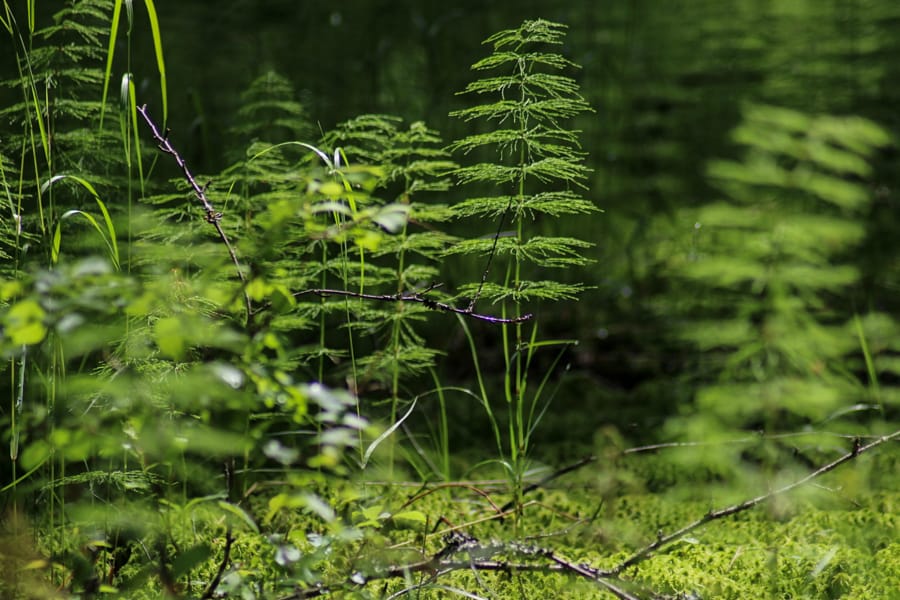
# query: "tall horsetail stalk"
533,153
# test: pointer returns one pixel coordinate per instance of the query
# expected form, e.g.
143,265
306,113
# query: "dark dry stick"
419,298
490,259
714,515
436,566
226,557
593,574
446,560
212,216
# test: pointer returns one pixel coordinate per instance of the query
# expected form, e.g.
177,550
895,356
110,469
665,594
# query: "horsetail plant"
536,172
414,163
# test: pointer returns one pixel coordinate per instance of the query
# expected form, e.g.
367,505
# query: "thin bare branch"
212,216
587,460
490,258
226,558
418,297
664,540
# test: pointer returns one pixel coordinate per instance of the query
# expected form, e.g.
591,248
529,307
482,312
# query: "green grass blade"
485,400
38,116
443,425
57,235
21,478
387,433
31,87
870,364
6,19
109,236
160,62
110,52
324,157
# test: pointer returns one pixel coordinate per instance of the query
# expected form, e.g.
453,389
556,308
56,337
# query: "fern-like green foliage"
270,111
12,235
533,167
56,170
763,280
414,167
537,164
55,136
133,382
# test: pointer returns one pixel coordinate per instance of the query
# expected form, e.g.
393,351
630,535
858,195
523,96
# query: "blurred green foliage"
164,439
766,270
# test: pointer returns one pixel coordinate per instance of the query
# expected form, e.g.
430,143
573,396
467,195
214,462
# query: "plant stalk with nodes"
539,166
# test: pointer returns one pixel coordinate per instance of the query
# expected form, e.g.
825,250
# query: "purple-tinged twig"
419,298
213,217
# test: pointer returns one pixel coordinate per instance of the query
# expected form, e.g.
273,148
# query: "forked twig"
418,297
212,216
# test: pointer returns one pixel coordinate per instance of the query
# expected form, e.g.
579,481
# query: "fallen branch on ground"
464,552
714,515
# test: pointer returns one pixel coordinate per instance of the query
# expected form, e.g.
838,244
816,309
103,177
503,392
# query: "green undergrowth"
834,543
324,369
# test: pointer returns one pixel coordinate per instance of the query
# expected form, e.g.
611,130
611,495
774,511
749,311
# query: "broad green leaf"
35,454
187,560
413,518
24,323
392,217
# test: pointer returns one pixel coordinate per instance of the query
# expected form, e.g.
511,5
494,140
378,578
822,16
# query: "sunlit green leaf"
169,337
24,323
